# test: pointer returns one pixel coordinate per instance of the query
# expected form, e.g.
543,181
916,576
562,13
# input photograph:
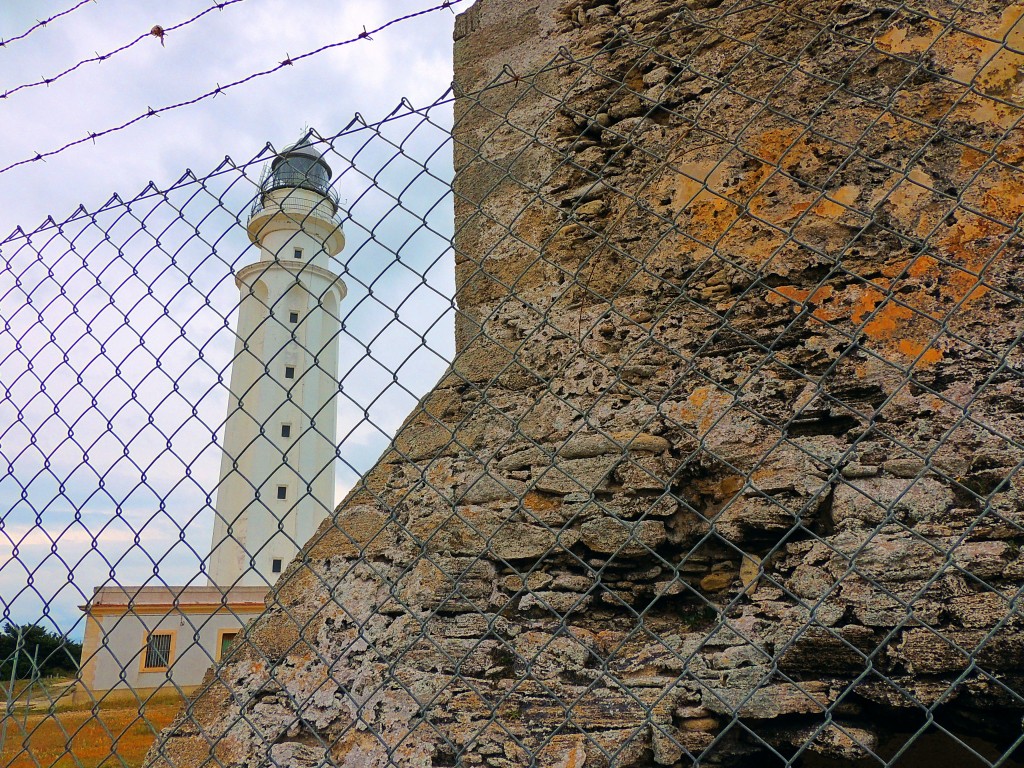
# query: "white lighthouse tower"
277,471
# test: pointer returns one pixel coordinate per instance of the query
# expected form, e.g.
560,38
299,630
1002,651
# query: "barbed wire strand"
156,31
366,34
43,23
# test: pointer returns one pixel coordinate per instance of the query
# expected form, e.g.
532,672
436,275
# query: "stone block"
487,488
746,517
356,531
560,603
619,506
519,541
771,700
585,446
647,473
452,584
575,475
607,535
717,581
870,501
464,530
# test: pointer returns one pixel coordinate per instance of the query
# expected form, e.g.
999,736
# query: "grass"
114,735
34,693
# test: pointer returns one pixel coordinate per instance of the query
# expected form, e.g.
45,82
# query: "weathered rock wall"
728,462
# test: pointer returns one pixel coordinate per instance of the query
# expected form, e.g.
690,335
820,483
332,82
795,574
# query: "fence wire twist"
722,461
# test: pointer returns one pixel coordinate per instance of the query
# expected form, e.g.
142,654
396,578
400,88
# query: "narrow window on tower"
286,430
289,372
293,317
298,253
282,492
275,565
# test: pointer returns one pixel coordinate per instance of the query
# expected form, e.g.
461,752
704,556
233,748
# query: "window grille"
158,650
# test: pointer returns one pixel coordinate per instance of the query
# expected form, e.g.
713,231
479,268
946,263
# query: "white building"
277,470
139,638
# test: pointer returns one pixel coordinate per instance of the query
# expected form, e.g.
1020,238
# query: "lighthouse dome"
299,166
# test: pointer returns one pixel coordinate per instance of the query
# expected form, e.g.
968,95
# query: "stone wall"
727,466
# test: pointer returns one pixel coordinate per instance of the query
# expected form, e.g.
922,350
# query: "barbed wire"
366,34
43,23
157,31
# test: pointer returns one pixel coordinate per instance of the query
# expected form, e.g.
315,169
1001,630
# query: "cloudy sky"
109,417
411,60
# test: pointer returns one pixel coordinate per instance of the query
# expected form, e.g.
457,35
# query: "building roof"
170,597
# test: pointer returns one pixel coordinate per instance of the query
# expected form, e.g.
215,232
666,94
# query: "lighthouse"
277,470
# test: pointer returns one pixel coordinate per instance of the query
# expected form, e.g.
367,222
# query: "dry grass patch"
115,735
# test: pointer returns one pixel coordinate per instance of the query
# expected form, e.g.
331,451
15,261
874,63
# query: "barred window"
159,649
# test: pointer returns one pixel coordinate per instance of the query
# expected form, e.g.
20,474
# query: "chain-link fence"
122,328
722,461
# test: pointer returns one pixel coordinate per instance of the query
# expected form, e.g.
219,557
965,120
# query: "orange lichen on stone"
1011,149
866,300
899,329
914,349
784,294
685,182
819,298
900,40
1003,199
987,55
970,245
781,200
897,325
536,502
729,486
710,213
915,205
751,242
701,409
772,145
838,203
1001,75
889,319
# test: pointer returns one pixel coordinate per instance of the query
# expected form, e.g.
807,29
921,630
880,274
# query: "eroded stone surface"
735,414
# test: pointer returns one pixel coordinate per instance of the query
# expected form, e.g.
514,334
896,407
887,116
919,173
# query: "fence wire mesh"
722,461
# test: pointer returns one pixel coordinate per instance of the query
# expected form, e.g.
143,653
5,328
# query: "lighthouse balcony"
297,201
297,209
